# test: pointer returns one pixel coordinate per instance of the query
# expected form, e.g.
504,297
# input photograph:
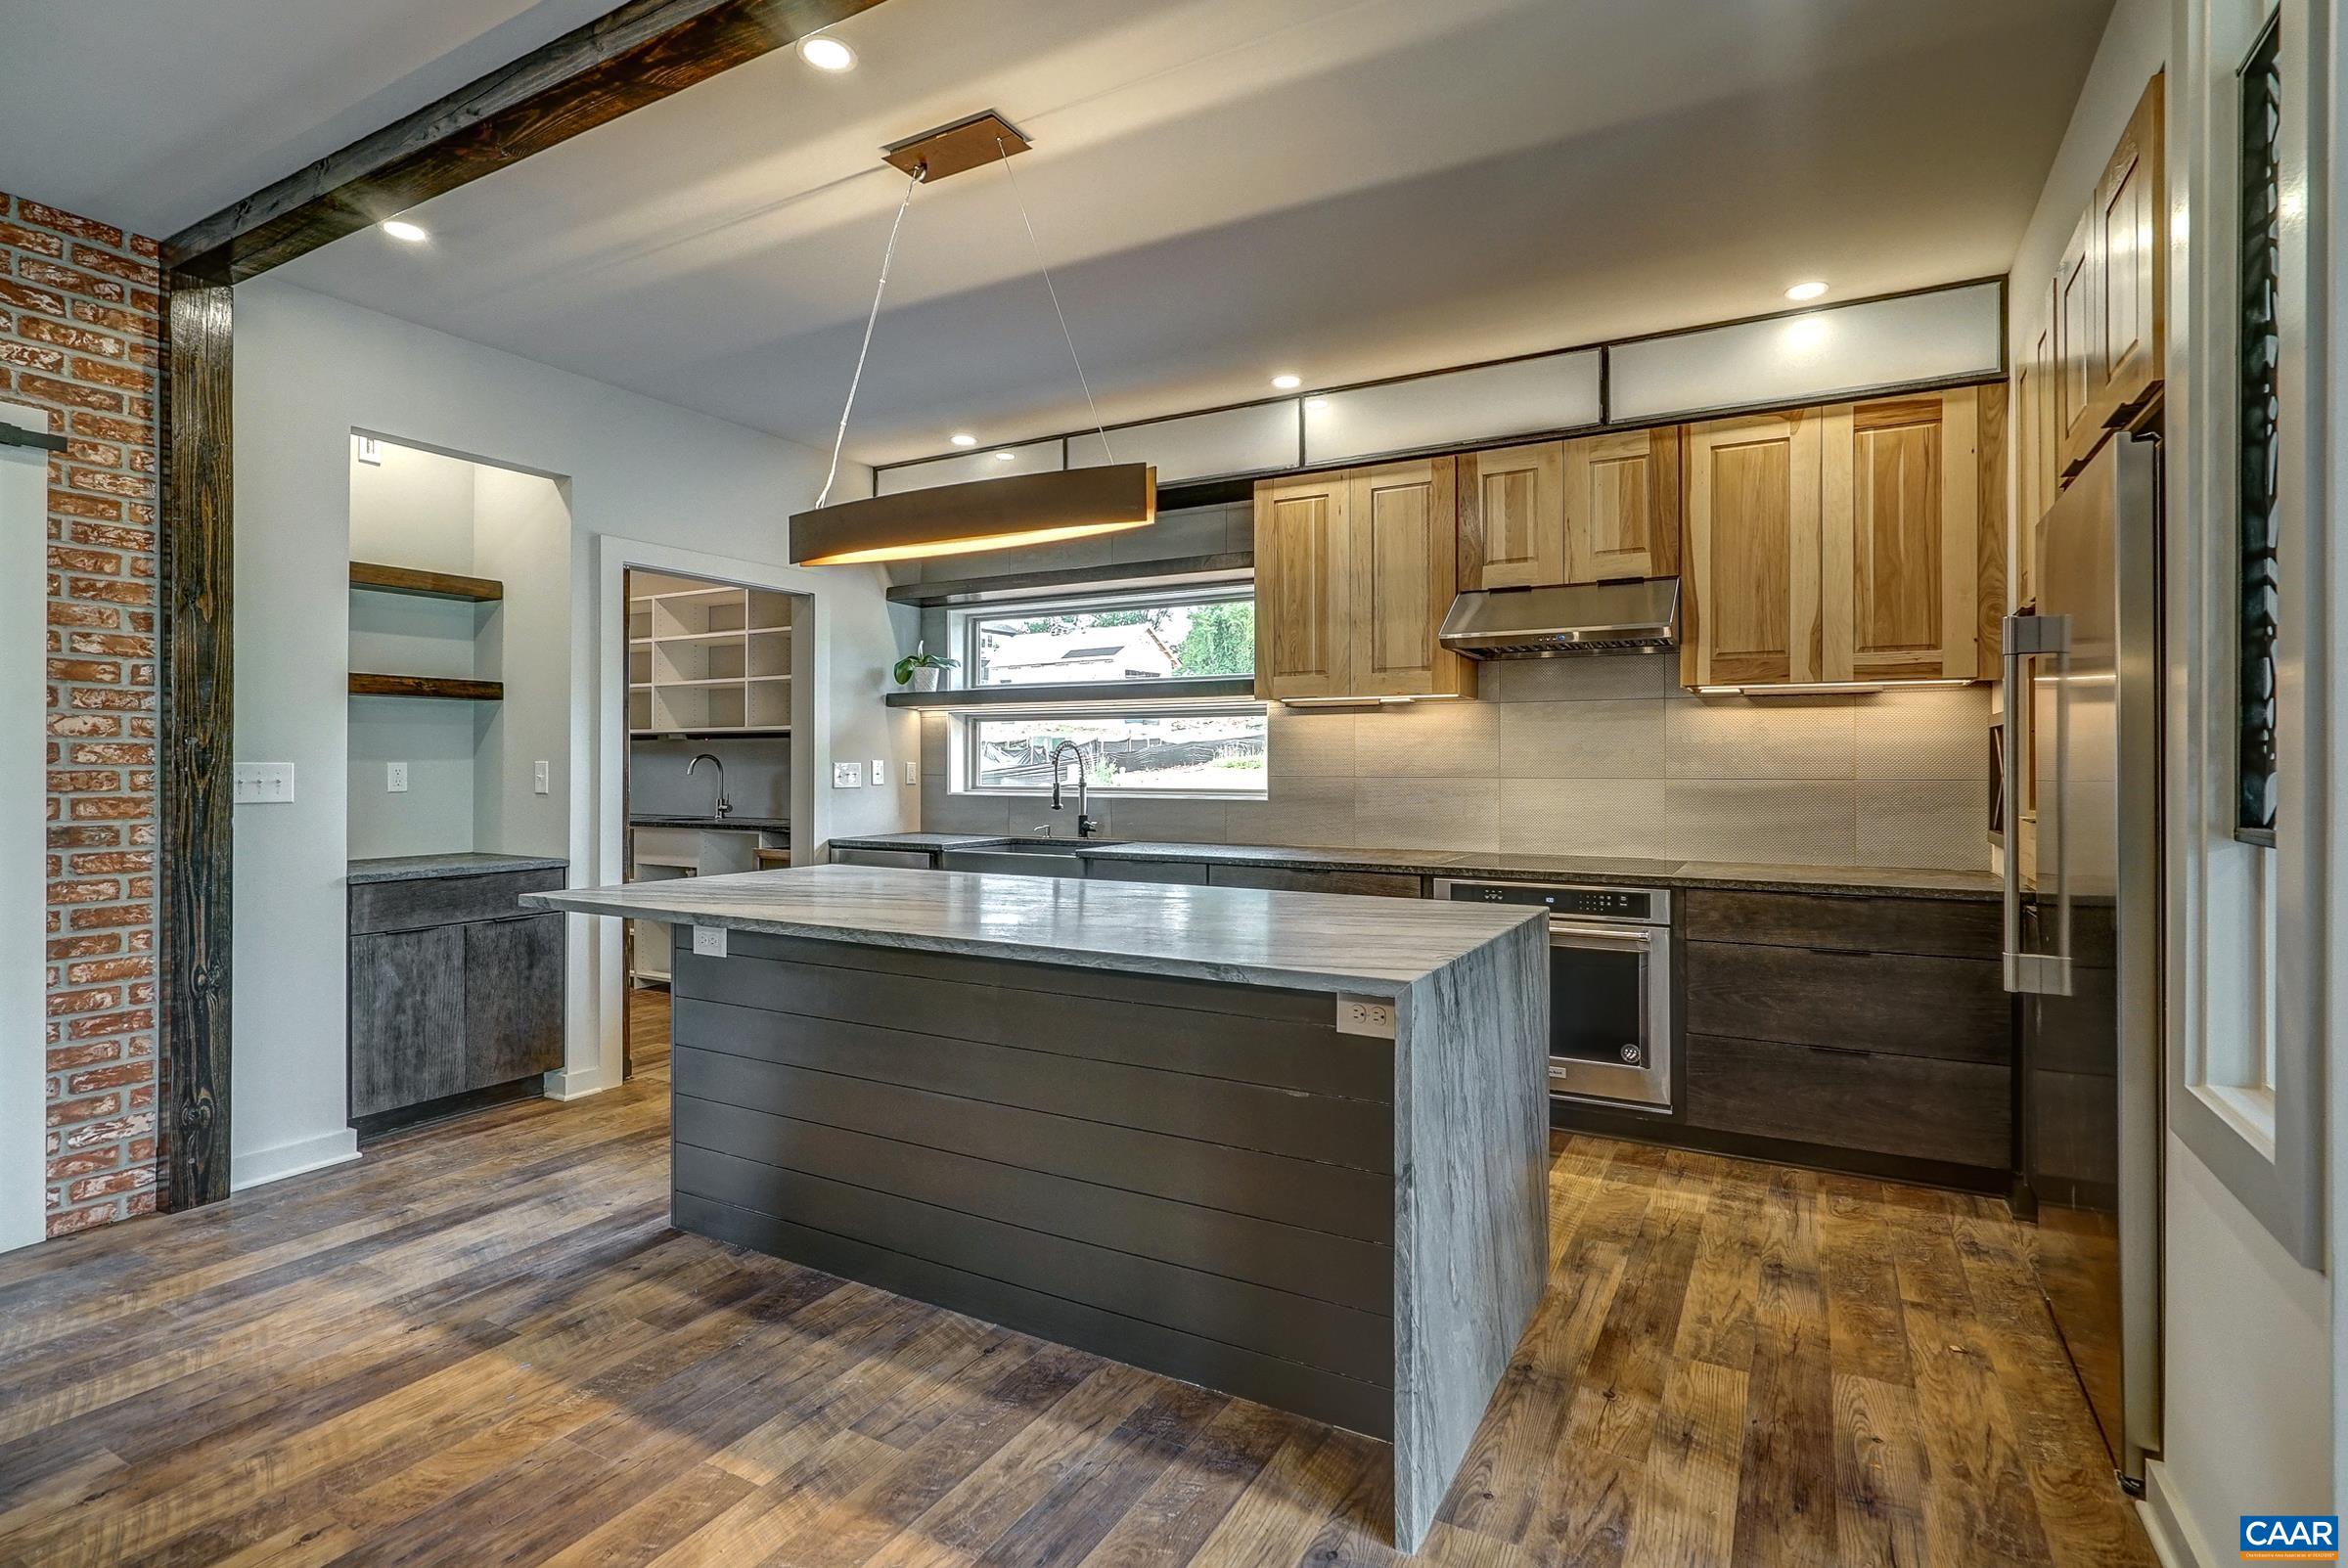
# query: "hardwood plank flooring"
484,1344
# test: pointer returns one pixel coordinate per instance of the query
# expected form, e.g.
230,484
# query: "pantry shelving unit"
707,660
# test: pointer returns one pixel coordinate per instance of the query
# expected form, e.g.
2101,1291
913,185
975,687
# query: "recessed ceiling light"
1805,290
1004,456
963,438
826,54
406,233
1287,384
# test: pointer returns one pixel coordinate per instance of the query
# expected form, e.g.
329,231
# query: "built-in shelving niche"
708,660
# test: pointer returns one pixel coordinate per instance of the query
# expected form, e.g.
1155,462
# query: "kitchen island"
1289,1145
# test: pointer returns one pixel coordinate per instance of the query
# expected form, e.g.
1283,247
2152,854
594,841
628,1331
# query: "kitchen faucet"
1085,825
724,807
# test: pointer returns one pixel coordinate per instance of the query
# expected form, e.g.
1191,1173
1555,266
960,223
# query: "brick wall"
81,335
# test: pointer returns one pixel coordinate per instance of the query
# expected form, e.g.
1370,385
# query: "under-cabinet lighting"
1826,687
826,54
1367,701
404,232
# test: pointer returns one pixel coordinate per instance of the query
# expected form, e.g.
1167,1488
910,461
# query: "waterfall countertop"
1307,941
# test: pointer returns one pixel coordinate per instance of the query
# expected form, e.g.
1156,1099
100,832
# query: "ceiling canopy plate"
985,137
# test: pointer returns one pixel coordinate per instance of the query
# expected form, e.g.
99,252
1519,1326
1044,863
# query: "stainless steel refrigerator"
2083,940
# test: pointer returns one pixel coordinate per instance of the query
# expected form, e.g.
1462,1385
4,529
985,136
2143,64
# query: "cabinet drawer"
1943,927
445,900
1958,1111
1111,868
911,859
1377,885
1898,1002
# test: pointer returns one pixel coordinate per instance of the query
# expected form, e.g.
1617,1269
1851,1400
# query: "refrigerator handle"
2025,637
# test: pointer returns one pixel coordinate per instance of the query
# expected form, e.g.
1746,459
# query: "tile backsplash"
1604,755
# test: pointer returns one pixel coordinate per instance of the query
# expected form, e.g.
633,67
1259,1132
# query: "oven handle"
1608,938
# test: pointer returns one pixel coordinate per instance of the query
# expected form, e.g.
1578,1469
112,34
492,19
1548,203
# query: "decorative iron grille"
2257,467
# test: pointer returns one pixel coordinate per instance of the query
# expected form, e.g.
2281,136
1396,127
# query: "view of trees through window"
1142,641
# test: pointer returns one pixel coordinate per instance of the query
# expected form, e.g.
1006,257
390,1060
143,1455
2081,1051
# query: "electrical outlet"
879,771
264,784
846,776
1366,1015
709,941
539,779
395,778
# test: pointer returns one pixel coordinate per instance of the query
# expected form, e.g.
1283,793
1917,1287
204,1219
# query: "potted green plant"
920,668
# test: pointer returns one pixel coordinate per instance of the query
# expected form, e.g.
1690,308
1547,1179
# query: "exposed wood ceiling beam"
639,54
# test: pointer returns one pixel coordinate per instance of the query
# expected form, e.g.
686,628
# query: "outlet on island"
1364,1015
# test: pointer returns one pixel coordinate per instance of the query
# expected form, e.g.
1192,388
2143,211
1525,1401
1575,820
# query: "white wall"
24,881
309,371
522,538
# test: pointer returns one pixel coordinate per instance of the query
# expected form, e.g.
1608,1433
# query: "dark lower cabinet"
407,1006
1912,1107
445,1014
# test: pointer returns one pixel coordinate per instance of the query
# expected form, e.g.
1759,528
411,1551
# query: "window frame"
965,747
964,623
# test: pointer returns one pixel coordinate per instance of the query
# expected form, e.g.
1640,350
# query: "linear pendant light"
955,519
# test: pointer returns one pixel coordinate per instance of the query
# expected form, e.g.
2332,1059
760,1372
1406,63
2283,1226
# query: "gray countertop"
1307,941
459,862
715,825
1890,881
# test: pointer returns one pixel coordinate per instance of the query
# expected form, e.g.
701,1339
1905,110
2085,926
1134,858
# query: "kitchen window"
1110,674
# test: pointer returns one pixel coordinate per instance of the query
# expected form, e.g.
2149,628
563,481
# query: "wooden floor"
482,1344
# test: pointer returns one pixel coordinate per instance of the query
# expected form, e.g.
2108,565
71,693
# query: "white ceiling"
1224,188
152,114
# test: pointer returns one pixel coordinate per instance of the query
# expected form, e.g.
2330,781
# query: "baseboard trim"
263,1166
575,1082
2175,1540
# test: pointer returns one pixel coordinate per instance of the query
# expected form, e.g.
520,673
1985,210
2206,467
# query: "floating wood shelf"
1189,688
451,688
424,584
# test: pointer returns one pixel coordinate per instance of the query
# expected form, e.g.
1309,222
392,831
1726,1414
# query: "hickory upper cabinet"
1906,495
1303,587
1840,544
1354,573
1590,509
1750,603
2110,306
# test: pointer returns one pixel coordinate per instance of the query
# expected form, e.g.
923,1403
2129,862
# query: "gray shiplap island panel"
1120,1115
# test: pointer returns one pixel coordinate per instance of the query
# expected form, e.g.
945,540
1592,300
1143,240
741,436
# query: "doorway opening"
707,783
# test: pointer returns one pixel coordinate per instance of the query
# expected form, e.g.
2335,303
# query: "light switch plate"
709,941
1366,1015
879,771
371,451
846,776
911,772
395,778
539,779
264,784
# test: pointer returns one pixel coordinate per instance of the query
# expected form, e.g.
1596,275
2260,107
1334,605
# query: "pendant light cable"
841,438
1041,266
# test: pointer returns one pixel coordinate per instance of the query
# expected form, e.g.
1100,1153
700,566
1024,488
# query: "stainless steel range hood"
1642,615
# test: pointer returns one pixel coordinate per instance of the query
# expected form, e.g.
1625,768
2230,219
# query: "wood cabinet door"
512,998
1752,551
2079,373
1405,565
1622,506
1899,535
1512,518
2131,252
407,1018
1303,588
